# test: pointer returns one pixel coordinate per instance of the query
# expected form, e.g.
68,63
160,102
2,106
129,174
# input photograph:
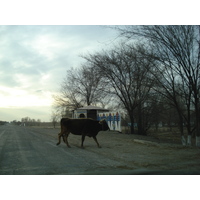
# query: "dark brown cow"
84,127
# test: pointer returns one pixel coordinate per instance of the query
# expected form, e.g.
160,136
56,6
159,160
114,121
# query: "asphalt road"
25,151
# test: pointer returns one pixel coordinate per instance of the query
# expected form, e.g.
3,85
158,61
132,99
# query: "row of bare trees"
127,74
30,122
156,69
177,51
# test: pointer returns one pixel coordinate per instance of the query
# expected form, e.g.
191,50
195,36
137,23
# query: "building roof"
92,108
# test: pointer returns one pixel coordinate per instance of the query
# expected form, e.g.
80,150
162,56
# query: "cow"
84,127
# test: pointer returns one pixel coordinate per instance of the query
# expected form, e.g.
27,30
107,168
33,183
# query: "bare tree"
89,85
177,49
54,118
82,86
126,73
30,122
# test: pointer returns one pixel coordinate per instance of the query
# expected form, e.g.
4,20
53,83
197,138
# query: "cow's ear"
101,121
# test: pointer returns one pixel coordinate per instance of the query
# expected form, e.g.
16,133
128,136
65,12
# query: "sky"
34,60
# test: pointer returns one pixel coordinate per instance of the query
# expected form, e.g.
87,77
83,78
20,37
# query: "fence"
112,118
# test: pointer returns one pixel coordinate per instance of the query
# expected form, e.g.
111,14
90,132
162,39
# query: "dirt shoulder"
138,152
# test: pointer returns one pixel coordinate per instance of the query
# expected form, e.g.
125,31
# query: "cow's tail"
61,132
59,136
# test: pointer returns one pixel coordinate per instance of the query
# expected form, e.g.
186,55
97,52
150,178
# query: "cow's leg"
95,139
66,139
59,136
62,131
63,136
83,138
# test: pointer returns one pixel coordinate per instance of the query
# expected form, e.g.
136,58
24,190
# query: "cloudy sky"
33,63
34,59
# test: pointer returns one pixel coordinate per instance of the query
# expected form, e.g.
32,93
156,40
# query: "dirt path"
139,152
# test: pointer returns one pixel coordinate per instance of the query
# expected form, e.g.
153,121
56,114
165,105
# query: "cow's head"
104,124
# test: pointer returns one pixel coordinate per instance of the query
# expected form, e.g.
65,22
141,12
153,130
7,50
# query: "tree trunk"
181,130
197,130
198,141
140,131
183,141
197,116
132,121
189,143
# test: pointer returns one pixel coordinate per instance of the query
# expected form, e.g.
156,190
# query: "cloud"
34,60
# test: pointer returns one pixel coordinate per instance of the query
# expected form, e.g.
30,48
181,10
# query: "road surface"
33,151
26,151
